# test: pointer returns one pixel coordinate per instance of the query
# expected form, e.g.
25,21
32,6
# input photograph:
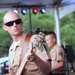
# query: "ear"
4,27
54,40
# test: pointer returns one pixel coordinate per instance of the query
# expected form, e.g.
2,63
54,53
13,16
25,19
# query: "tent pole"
30,21
57,25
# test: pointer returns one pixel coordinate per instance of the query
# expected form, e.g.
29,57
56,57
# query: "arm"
60,59
43,65
58,66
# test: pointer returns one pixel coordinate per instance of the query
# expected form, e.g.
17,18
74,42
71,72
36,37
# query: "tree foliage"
42,21
68,29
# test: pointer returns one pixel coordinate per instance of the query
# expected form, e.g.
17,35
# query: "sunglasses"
10,23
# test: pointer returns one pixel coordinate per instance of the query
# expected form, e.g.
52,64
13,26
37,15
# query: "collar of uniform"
54,48
19,43
14,45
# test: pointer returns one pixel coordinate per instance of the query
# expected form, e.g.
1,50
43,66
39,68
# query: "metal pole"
57,25
30,21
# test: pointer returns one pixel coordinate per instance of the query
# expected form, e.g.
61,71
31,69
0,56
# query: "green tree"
42,21
68,30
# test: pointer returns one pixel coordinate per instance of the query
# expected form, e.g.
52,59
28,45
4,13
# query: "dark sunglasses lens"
18,21
9,23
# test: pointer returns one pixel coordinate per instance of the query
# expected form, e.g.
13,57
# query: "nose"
14,24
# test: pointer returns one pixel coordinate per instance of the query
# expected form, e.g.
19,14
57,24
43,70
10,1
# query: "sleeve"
60,54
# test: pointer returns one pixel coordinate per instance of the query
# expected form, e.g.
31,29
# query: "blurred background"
50,15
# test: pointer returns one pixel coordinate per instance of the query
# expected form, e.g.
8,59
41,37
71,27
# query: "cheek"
49,43
9,31
20,27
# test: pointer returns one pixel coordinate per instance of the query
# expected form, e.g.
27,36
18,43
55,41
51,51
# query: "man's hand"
11,73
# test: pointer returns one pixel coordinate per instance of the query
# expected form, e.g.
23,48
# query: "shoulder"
33,37
59,47
60,50
24,34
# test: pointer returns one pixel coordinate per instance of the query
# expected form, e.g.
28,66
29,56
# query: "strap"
23,59
25,45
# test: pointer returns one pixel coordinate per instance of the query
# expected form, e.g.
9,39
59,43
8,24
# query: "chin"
16,34
49,46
